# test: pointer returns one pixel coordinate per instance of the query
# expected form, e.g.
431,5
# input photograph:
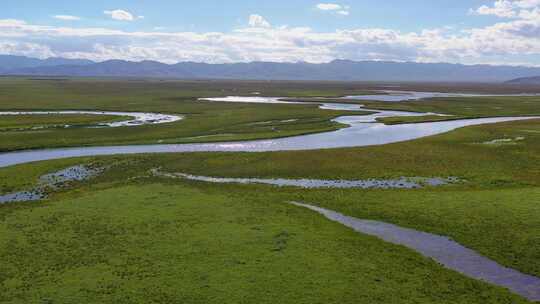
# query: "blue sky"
217,15
460,31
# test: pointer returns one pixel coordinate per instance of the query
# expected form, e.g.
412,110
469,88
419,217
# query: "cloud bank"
513,39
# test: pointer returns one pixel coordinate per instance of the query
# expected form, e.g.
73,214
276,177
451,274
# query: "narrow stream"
361,131
443,250
398,183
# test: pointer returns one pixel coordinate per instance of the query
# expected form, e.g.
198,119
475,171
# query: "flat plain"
127,236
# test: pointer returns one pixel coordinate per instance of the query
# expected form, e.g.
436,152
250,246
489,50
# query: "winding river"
361,131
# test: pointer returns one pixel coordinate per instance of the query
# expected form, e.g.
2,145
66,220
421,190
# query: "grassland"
470,107
129,237
207,121
416,119
495,211
159,242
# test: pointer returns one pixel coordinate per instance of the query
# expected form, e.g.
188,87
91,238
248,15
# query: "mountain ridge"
534,80
11,62
339,69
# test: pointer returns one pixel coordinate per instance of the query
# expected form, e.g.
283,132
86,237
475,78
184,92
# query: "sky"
503,32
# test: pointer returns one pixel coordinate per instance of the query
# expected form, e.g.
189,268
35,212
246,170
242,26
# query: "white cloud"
12,22
25,49
67,17
522,26
516,40
501,8
258,21
121,15
335,8
329,6
521,9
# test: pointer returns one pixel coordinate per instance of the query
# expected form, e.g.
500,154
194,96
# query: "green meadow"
204,121
127,236
210,121
156,241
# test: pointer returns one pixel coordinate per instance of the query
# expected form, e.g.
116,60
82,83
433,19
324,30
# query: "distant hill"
335,70
525,81
10,63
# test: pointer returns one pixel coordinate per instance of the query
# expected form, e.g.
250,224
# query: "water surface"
443,250
382,95
51,181
137,118
399,96
361,131
399,183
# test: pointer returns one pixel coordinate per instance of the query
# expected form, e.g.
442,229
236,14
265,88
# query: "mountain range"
15,63
335,70
525,81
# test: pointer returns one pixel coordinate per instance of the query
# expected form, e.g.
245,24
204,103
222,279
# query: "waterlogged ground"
26,123
249,232
52,182
400,183
178,243
400,96
136,119
358,134
220,121
127,235
443,250
364,130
